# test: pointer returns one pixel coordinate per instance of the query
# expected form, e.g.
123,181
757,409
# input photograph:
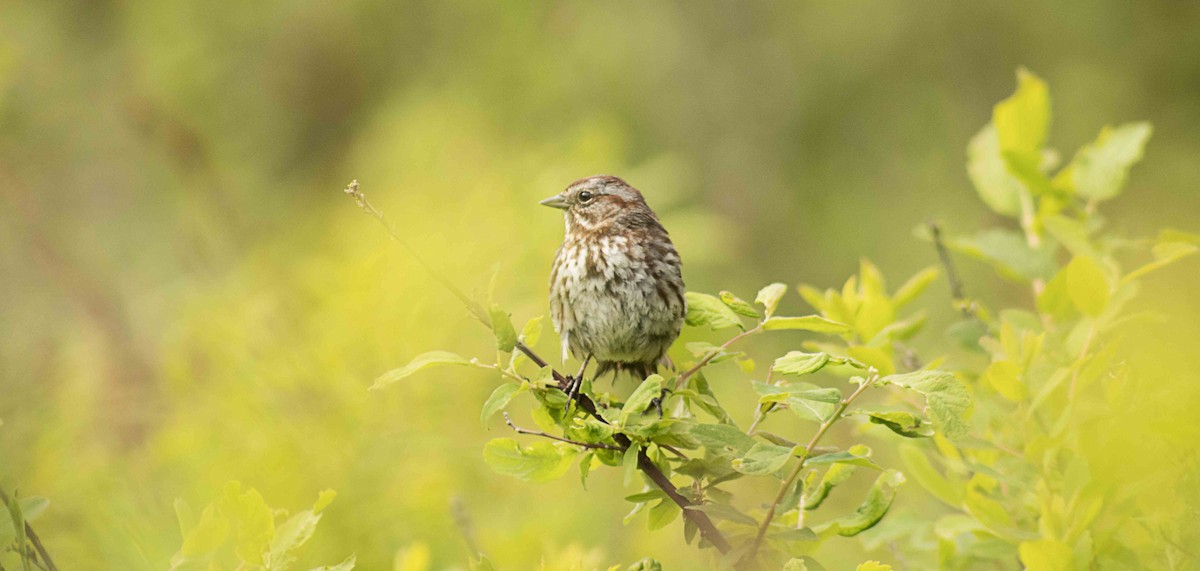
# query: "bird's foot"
657,402
573,386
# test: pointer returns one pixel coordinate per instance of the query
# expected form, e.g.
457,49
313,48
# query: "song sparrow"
616,292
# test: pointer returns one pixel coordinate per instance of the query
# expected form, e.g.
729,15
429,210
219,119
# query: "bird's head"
597,202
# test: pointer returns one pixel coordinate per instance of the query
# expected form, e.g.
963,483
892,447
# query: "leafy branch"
584,402
790,480
24,531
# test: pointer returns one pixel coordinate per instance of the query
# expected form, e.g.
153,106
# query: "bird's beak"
556,201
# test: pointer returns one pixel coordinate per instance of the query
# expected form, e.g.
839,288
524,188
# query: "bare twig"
956,286
34,539
596,445
684,376
708,530
354,191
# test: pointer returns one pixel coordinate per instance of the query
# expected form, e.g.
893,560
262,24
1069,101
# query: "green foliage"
997,440
689,437
240,528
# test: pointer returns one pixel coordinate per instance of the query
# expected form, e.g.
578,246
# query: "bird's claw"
574,382
657,402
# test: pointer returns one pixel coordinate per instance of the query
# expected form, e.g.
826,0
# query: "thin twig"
957,293
353,190
708,530
34,539
596,445
673,450
808,451
684,376
458,511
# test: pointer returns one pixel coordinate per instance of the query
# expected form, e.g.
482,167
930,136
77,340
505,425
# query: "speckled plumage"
616,290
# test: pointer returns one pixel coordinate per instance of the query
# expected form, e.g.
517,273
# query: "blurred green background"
186,297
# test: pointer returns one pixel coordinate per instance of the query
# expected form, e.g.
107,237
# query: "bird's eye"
585,196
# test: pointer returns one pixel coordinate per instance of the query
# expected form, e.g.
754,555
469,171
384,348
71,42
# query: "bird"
616,284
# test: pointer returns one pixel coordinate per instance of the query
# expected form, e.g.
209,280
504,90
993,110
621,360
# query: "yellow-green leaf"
502,327
498,400
708,310
422,361
814,323
1045,555
769,297
914,287
538,462
1087,286
945,397
1099,169
1023,119
738,305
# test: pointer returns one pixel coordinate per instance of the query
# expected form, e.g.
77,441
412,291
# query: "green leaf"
837,474
1005,377
498,400
1087,286
481,564
708,310
917,465
1099,169
802,564
707,401
905,424
769,297
1045,555
702,349
814,323
425,360
1071,234
539,462
873,566
1055,300
722,439
725,512
324,498
874,507
945,397
33,506
1008,253
1002,191
858,455
629,462
585,467
1023,119
762,459
641,398
209,533
646,564
292,533
738,305
646,496
914,287
502,327
253,523
800,363
346,565
662,514
804,399
532,331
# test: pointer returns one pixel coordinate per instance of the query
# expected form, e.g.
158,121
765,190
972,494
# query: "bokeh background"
186,297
